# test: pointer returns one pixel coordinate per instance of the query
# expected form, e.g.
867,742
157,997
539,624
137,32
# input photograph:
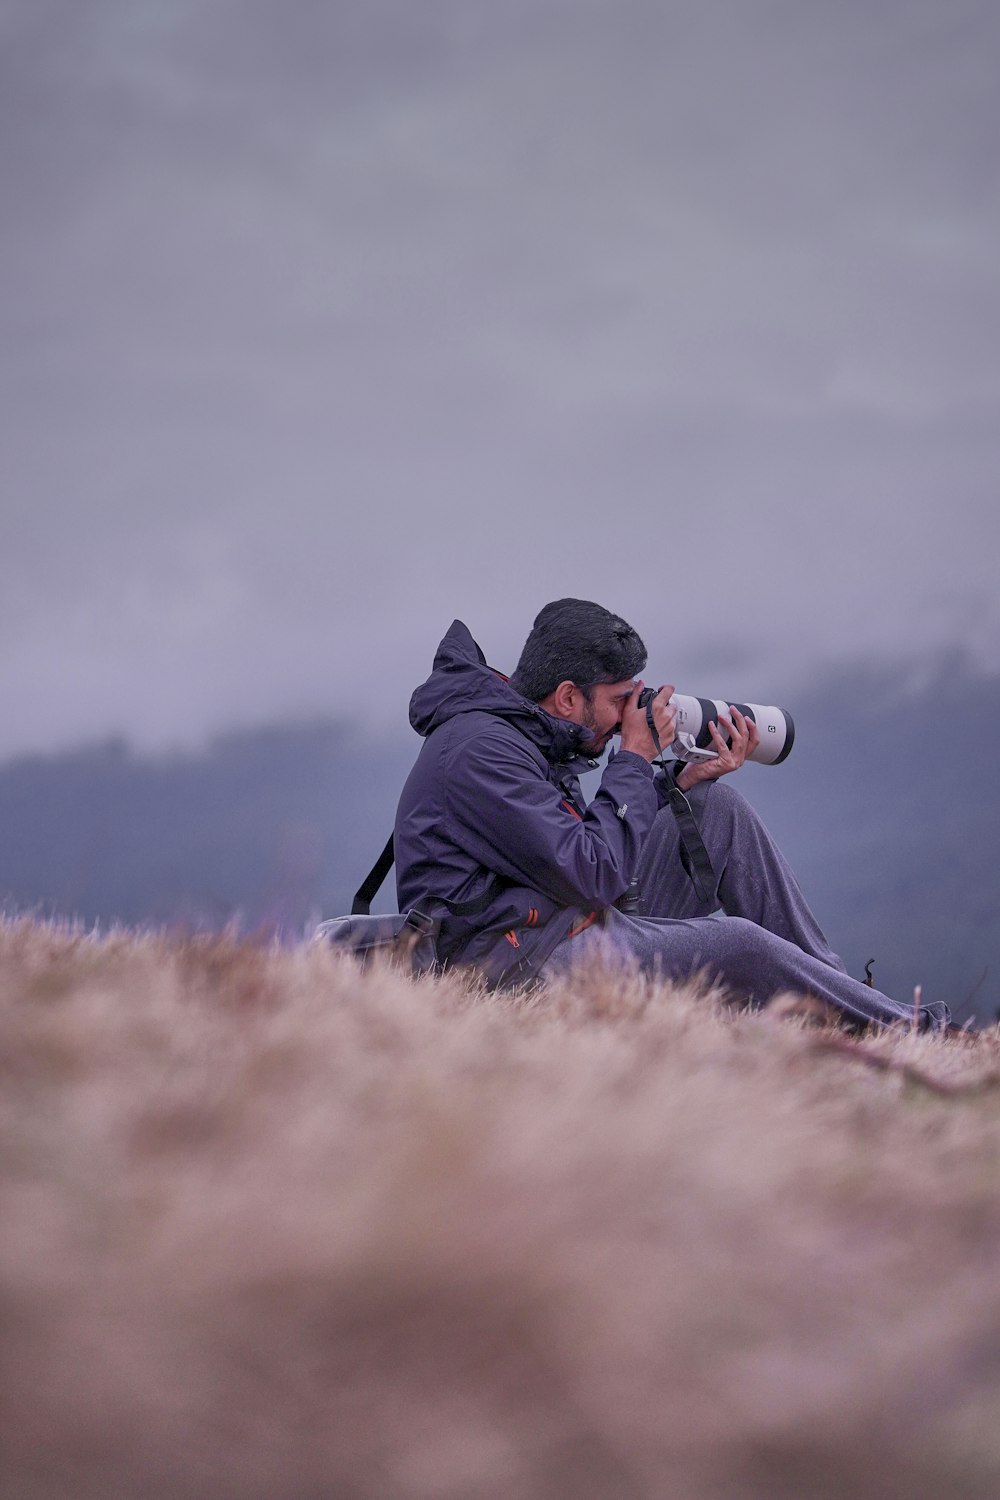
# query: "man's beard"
599,743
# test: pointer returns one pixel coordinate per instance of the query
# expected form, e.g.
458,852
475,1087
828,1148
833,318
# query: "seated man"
492,830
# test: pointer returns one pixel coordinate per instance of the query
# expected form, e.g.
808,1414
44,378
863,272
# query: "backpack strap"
367,890
369,887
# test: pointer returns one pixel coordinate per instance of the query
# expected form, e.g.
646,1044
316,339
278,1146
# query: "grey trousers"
762,938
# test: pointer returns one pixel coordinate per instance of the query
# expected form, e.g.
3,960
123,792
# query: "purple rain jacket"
491,819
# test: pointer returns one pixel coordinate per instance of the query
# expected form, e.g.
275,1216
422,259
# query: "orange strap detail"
581,925
570,808
511,937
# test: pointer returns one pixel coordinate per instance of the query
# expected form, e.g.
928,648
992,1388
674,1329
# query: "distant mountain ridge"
887,809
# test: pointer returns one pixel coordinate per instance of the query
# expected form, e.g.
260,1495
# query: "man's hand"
635,727
744,736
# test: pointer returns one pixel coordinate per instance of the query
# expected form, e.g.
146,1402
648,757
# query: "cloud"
323,325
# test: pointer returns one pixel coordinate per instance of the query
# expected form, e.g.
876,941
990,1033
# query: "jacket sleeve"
509,817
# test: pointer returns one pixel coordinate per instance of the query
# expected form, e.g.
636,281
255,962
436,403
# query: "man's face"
602,715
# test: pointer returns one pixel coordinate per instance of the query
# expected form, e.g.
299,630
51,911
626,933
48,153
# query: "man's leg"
752,963
755,880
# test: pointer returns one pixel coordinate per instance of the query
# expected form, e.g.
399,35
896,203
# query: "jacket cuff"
632,759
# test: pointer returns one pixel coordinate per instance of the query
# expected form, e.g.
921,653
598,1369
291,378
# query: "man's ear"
565,700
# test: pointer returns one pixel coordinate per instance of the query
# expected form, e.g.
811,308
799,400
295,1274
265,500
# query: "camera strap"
695,857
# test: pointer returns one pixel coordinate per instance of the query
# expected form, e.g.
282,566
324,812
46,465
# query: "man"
492,830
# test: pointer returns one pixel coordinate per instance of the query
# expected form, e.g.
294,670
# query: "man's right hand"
635,735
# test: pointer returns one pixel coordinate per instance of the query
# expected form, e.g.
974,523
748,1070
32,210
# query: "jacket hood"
461,682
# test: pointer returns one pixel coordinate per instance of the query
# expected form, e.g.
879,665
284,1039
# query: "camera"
693,742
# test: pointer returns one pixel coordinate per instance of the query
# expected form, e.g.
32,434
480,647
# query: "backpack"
411,935
409,938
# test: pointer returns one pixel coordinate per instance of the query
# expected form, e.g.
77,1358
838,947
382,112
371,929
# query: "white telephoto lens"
774,725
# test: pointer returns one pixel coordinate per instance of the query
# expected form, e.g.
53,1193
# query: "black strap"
369,887
699,867
699,863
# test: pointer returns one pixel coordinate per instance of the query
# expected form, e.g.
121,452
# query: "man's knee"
740,936
720,796
747,953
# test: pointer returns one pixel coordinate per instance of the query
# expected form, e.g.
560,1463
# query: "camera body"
693,741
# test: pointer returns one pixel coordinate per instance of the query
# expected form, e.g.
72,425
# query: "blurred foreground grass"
274,1228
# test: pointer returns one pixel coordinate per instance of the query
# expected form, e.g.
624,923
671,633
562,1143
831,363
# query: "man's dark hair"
573,640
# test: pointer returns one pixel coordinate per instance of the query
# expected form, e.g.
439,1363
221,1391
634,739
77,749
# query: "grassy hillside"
275,1228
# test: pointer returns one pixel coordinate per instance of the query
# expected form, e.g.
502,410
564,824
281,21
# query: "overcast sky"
323,323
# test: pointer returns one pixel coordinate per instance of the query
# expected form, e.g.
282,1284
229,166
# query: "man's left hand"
743,736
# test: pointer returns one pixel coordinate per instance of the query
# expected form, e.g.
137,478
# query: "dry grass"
273,1228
